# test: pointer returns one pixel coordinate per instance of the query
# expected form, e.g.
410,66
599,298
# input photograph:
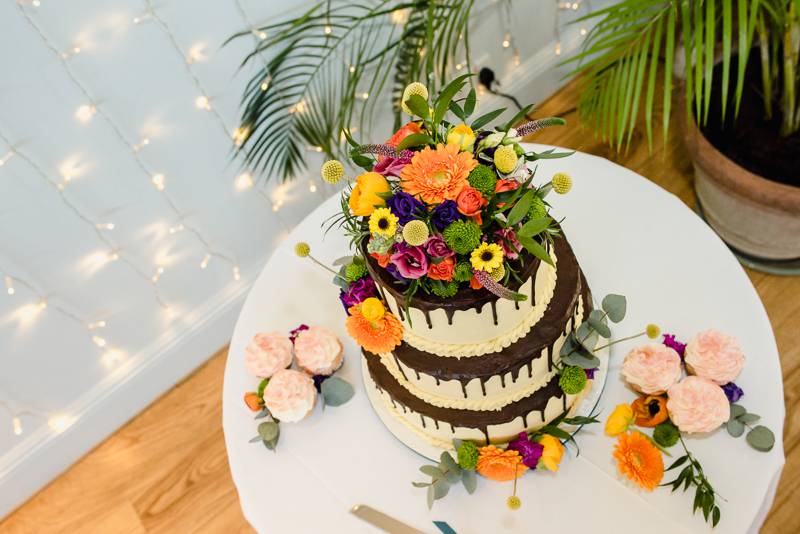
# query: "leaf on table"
336,391
761,438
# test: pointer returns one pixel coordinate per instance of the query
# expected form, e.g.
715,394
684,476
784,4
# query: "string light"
141,144
364,95
85,113
240,135
157,276
399,16
175,229
260,34
507,40
312,187
202,102
558,48
60,423
99,341
236,273
206,259
7,157
74,51
328,30
16,424
9,285
158,181
105,226
583,31
265,84
244,181
95,325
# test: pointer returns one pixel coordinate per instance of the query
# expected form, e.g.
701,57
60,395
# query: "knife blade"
382,521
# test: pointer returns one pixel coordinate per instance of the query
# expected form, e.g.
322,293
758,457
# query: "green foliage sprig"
705,498
759,437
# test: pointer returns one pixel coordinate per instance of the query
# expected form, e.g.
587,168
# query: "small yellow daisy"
487,257
383,222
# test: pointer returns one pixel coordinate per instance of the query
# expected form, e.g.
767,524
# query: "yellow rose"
462,135
552,453
364,197
620,420
372,309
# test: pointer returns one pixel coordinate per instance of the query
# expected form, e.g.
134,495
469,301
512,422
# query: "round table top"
631,237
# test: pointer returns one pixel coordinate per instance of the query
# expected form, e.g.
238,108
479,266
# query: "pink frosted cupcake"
318,351
290,396
714,355
697,405
267,354
652,369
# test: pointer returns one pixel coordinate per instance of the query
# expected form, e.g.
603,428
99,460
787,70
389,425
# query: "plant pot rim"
733,176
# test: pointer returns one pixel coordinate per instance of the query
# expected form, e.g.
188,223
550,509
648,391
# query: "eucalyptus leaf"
737,410
431,471
570,344
448,462
580,357
262,414
615,306
431,496
469,480
748,418
761,438
420,484
441,487
734,427
336,391
268,430
597,320
255,439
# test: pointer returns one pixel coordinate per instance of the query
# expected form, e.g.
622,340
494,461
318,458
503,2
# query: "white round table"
631,237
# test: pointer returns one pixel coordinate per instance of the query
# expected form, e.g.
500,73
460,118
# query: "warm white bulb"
244,181
42,304
158,181
202,102
240,135
264,85
206,259
36,3
156,277
236,274
17,425
459,66
328,30
583,31
99,341
105,226
113,256
175,229
558,49
312,188
9,285
506,43
59,423
364,95
352,69
97,324
85,113
260,34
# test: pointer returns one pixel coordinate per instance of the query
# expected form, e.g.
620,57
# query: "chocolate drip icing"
400,368
494,311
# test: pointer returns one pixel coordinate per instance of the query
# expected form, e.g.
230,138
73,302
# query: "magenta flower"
389,166
671,342
507,239
411,262
358,292
436,248
529,450
296,332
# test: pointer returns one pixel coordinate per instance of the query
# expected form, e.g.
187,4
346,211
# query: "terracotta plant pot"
752,214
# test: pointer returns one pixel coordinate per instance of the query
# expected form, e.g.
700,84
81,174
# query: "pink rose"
318,351
267,354
652,369
714,355
290,395
697,405
436,247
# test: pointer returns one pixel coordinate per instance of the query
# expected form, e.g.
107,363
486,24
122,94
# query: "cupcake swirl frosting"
651,369
714,355
318,351
290,395
697,404
267,354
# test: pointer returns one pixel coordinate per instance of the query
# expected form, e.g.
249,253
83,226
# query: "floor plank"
166,470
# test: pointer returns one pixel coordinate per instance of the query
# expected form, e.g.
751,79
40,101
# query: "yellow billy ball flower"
562,183
514,502
653,331
414,88
383,222
332,171
505,158
302,249
372,309
487,257
498,273
415,233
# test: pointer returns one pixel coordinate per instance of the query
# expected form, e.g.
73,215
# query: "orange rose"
470,202
364,197
650,411
499,465
252,402
474,283
383,259
442,270
402,133
505,185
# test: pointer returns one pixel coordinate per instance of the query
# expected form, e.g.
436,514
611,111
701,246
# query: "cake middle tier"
473,323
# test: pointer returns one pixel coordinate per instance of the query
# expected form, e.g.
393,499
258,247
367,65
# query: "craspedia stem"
382,150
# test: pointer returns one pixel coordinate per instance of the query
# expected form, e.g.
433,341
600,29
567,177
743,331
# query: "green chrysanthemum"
666,434
445,290
573,380
462,236
483,179
467,455
463,272
538,208
355,271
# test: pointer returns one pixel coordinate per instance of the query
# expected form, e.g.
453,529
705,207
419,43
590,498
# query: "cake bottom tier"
439,426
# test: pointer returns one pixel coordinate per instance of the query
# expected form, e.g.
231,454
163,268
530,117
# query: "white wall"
61,177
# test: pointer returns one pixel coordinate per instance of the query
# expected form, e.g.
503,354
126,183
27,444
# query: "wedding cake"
464,293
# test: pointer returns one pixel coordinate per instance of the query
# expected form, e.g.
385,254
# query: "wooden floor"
166,470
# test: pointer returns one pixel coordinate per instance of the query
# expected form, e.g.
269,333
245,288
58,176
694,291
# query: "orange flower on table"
442,270
376,333
383,259
470,202
364,197
252,401
552,453
500,465
650,411
639,460
437,175
403,132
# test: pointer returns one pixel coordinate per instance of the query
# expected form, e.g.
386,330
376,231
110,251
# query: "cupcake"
290,396
715,356
267,354
651,369
318,351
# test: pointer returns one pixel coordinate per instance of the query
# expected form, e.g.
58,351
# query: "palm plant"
635,42
319,73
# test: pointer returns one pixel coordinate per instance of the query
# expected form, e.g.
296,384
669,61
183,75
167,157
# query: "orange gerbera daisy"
437,175
639,460
500,465
376,337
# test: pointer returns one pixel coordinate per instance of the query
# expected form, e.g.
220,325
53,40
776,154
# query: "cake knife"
382,521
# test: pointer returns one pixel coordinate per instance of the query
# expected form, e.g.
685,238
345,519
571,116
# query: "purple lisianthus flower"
411,262
590,373
404,206
444,214
296,332
671,342
733,392
389,166
318,380
529,450
392,269
507,239
436,247
358,292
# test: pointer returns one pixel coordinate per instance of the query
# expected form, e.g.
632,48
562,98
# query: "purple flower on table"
296,332
733,392
318,380
436,247
358,292
411,262
671,342
444,214
507,239
590,373
389,166
529,450
404,206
